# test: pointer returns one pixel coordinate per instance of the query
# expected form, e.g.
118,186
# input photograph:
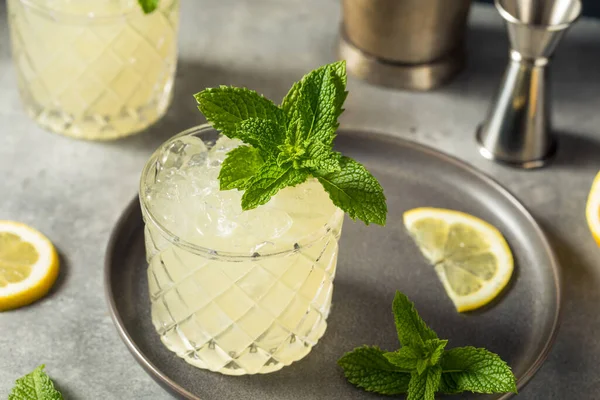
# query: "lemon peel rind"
24,293
489,291
592,209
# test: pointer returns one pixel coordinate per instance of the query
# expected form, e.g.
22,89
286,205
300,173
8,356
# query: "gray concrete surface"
74,191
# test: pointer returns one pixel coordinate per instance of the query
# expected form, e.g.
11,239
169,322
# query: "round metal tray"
374,262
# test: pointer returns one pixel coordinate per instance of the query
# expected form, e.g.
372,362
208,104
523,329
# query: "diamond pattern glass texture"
95,70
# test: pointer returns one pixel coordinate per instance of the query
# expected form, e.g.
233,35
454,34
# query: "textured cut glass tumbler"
94,69
234,312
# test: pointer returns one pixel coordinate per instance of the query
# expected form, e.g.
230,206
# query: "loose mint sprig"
290,143
148,5
35,386
422,366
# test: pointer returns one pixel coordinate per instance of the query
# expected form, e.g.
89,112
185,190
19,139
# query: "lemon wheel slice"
28,265
471,257
592,210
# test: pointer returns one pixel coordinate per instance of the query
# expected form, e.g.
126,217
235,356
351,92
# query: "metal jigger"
518,130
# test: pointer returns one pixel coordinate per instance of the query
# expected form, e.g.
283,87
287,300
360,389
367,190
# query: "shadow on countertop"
577,151
64,390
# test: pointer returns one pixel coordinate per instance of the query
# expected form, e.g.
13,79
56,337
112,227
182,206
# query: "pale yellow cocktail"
238,292
94,69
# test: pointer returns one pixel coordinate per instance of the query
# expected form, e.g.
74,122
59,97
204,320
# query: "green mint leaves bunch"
290,143
423,367
35,386
148,5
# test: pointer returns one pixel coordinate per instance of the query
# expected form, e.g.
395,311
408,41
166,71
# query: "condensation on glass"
95,70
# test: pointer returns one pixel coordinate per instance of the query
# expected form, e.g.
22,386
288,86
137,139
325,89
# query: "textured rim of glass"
74,17
213,253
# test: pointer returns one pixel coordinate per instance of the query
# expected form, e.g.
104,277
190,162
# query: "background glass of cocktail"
94,69
238,292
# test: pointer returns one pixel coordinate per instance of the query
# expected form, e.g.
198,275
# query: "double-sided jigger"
518,128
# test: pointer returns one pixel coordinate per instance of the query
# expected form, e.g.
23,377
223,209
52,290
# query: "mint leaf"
148,5
356,191
226,107
320,159
339,69
269,180
238,168
412,330
317,104
422,365
367,368
288,105
417,386
266,135
475,370
404,358
434,375
435,350
289,101
35,386
418,358
423,386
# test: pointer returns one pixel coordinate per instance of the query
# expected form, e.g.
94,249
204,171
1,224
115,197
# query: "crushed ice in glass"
185,197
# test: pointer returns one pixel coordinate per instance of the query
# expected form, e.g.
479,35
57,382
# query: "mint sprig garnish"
35,386
148,5
422,366
291,143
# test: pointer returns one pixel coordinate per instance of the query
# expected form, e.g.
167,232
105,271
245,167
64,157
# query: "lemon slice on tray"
28,265
470,256
592,210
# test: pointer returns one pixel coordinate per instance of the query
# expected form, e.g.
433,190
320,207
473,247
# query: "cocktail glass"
94,69
238,292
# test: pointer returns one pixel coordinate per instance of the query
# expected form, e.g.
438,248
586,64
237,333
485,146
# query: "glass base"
254,359
97,126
